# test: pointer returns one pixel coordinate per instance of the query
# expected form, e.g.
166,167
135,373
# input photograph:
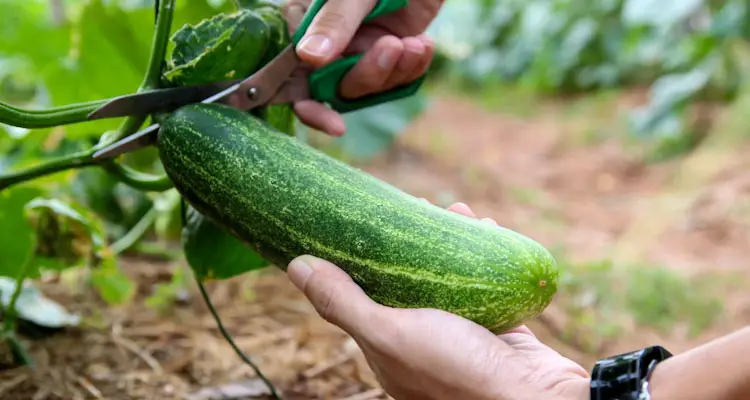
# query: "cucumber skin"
284,198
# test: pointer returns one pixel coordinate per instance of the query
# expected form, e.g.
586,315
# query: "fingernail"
316,45
387,59
298,271
416,48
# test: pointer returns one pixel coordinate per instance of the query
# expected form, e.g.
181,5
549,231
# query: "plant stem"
76,160
228,338
130,125
135,233
20,355
10,312
9,319
139,180
159,250
151,80
164,16
31,119
78,113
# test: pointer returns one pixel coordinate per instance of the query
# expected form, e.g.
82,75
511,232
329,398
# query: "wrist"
720,365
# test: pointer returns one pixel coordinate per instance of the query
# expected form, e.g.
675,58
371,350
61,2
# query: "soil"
521,171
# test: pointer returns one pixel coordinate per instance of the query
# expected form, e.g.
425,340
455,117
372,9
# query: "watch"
625,376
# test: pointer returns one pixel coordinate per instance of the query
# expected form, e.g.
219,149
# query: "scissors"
282,80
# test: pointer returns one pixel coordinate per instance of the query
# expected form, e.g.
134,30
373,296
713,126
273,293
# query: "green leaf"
279,116
102,42
676,88
731,19
659,117
65,237
97,50
119,205
165,295
16,235
18,85
22,24
168,224
213,253
226,46
372,130
112,284
659,13
33,306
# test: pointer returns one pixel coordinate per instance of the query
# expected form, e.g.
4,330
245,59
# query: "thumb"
335,296
332,29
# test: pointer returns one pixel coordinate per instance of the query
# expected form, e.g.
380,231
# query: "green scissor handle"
324,82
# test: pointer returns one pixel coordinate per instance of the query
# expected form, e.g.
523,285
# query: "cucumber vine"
153,78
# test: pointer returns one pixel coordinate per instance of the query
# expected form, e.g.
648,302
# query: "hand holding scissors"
285,79
396,50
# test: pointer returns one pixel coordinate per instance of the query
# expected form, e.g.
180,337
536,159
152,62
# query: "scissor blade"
138,140
148,136
263,87
159,99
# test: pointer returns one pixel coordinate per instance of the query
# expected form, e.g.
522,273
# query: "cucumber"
284,198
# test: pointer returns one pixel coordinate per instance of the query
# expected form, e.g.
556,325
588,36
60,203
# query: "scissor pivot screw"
252,93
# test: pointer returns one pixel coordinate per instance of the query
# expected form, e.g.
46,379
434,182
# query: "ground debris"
250,389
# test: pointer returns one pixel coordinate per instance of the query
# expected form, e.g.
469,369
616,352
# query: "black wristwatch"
625,376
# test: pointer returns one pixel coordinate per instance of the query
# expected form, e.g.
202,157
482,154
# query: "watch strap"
625,376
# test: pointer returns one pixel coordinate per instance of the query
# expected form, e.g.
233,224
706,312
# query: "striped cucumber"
284,198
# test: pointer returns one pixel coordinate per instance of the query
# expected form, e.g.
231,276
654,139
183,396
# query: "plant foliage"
681,48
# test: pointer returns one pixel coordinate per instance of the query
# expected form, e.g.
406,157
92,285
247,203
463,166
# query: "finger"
462,209
370,74
318,116
335,296
365,39
489,221
332,29
425,60
521,329
411,58
517,335
293,11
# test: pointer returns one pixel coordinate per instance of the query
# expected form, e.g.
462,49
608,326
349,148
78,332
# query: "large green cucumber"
284,198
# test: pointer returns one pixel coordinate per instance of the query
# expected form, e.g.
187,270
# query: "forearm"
717,370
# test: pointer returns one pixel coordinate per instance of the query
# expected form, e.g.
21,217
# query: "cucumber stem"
76,160
56,116
160,41
139,180
151,80
135,233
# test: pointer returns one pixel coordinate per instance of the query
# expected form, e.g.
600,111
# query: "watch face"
620,377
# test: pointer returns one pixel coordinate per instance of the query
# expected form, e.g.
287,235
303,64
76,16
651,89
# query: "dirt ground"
529,174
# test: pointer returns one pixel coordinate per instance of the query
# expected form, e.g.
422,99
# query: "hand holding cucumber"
431,354
396,50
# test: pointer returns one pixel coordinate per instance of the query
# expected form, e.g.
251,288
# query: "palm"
550,369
